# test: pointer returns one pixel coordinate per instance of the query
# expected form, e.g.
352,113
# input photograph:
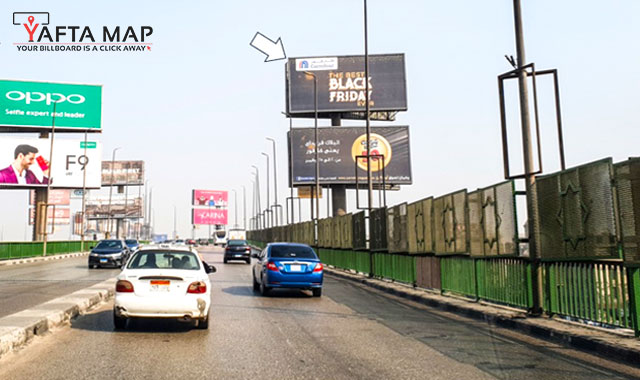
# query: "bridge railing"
467,243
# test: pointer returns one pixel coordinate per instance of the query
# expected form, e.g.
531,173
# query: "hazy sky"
198,106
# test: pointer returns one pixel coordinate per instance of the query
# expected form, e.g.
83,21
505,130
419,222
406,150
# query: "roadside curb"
17,330
41,258
618,347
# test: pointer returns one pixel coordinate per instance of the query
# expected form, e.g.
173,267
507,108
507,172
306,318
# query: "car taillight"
248,250
124,286
197,287
318,267
272,266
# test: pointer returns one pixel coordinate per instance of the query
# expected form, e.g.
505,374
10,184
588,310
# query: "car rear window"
292,251
237,242
164,260
131,241
109,244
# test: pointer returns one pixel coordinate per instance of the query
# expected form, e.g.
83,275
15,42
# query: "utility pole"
275,181
527,149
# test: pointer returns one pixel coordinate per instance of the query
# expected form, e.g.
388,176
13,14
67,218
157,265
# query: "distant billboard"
342,85
24,163
338,148
122,173
207,216
29,105
56,197
212,198
101,208
60,216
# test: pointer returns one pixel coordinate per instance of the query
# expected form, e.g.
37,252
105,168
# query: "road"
350,332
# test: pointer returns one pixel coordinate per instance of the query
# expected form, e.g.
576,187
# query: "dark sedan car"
237,250
133,244
109,253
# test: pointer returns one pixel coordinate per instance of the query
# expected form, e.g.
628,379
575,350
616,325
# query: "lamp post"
275,180
244,207
315,103
235,206
113,159
267,156
257,192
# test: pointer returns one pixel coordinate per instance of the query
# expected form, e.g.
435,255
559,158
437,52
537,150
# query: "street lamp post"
275,181
235,206
267,156
257,191
113,159
315,102
244,207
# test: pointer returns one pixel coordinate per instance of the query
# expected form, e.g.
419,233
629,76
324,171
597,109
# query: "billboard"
123,173
98,208
337,151
208,216
213,198
62,215
342,86
24,163
29,105
56,197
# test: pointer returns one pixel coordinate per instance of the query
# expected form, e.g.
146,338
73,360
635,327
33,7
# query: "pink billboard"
212,198
208,216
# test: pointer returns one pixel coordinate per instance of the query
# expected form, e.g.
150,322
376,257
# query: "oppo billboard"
338,151
342,85
30,104
24,163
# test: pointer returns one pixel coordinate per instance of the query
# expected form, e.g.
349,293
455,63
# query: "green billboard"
28,105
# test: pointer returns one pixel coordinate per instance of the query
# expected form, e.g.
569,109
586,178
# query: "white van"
220,238
237,234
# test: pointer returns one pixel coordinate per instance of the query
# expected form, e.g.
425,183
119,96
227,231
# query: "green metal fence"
346,259
458,275
17,250
395,267
506,281
591,291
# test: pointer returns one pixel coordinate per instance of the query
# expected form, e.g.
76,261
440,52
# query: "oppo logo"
48,98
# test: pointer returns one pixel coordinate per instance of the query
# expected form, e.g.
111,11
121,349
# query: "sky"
198,106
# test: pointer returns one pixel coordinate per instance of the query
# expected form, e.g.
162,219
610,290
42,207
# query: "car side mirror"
209,268
91,247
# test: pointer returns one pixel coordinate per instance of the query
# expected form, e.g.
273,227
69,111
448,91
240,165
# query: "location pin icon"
30,18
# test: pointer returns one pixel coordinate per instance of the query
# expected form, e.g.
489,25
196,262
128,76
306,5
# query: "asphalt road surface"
351,332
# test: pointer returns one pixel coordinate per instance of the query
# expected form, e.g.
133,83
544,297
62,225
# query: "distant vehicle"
237,250
133,244
108,253
287,265
237,234
220,238
178,242
164,282
191,242
159,238
203,241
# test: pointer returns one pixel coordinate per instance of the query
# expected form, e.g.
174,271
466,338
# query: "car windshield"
109,244
164,260
296,251
131,242
236,242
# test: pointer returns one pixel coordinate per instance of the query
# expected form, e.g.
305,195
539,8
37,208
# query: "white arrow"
273,50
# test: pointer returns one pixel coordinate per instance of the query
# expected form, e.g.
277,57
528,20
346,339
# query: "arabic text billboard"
62,215
213,198
208,216
56,197
123,173
24,163
342,86
338,148
28,104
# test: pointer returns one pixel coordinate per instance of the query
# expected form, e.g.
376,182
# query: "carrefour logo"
48,98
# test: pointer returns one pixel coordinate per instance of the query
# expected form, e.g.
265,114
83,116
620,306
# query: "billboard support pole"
126,201
113,158
46,204
84,190
338,192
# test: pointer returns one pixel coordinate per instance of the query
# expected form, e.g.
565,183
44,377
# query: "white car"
164,282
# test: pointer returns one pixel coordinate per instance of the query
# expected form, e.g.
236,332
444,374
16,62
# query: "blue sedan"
287,265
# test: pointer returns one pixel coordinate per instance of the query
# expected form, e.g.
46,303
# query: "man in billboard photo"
18,172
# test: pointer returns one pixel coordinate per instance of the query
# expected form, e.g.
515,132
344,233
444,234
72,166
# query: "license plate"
238,255
160,286
295,268
103,260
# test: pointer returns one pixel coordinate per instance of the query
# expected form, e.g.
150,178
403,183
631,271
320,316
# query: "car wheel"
249,261
256,286
317,292
203,324
225,261
264,290
120,323
90,266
